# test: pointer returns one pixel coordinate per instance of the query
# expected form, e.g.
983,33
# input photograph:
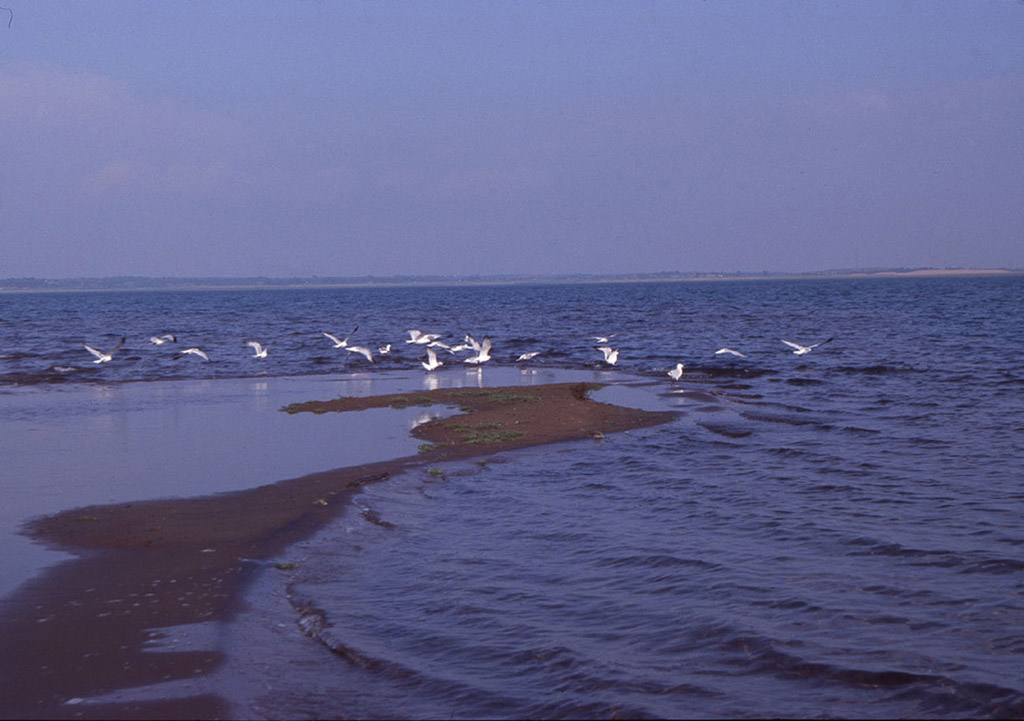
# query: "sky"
383,138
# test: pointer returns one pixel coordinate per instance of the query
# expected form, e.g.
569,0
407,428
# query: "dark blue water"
836,534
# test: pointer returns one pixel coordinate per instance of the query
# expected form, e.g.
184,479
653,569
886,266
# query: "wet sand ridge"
82,628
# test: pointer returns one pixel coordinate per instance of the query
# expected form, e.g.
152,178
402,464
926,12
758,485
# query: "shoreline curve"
86,627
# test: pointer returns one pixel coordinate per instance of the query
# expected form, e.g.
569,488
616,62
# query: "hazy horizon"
231,139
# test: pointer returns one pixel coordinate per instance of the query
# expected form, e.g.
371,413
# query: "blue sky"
403,138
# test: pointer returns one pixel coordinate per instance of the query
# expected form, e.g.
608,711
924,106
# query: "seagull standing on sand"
611,355
483,351
260,351
192,351
677,372
340,343
361,350
104,357
161,339
729,351
804,349
432,363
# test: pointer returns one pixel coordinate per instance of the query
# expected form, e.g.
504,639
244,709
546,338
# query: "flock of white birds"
481,350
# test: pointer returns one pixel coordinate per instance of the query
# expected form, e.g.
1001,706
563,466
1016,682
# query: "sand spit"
94,625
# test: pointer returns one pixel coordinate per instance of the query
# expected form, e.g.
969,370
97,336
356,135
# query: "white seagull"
421,338
260,351
677,372
729,351
611,355
104,357
602,339
483,351
192,351
432,363
528,356
385,349
361,350
340,343
161,339
804,349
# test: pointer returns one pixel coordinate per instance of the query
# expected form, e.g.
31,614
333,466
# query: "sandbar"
87,627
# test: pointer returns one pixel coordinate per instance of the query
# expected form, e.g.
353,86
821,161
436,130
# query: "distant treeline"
133,282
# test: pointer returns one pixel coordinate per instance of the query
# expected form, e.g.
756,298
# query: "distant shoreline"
114,283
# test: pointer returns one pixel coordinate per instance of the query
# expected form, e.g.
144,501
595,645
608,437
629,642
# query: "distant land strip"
132,282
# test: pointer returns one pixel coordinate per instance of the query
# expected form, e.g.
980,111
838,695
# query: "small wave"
804,382
940,558
313,623
831,488
19,355
878,370
787,452
997,566
922,441
932,692
876,548
658,560
771,418
848,429
373,517
733,371
726,430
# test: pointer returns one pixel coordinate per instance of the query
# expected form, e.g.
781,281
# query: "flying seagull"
804,349
528,356
161,339
677,372
192,351
602,339
611,355
362,350
730,351
340,343
104,357
432,363
260,351
420,338
385,349
483,350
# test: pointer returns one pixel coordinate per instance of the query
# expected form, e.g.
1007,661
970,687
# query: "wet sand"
92,626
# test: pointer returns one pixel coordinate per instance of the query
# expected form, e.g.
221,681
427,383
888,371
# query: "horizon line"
124,281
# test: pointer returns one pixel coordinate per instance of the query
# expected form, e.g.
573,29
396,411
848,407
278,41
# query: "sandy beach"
91,626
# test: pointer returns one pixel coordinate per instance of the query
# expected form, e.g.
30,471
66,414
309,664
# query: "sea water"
833,534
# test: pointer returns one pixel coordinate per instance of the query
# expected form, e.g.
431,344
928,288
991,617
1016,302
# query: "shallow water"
665,573
83,444
836,534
